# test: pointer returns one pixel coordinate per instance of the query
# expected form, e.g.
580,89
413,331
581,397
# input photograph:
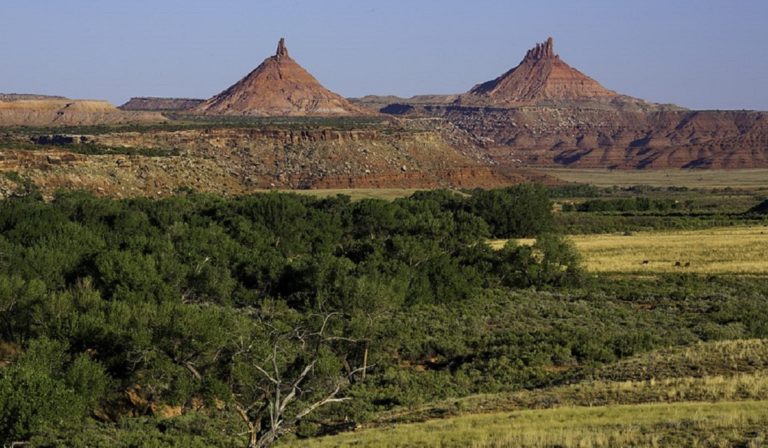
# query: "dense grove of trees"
267,303
258,316
620,210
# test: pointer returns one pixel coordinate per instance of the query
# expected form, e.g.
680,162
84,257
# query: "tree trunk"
253,439
266,440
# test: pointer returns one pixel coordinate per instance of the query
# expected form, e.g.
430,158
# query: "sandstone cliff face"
594,138
310,158
279,87
155,104
415,154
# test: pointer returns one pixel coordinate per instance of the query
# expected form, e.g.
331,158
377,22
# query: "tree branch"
264,372
289,398
360,369
193,370
329,399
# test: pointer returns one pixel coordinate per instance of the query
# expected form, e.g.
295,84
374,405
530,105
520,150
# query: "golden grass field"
728,250
643,401
751,179
679,424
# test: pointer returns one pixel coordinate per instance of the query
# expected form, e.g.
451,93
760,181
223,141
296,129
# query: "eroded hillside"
543,112
159,160
39,110
621,139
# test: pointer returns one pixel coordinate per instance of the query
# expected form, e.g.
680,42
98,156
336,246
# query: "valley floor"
680,424
743,178
709,395
726,250
731,250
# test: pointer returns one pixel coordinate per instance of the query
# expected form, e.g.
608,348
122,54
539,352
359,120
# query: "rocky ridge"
425,153
615,139
322,158
28,96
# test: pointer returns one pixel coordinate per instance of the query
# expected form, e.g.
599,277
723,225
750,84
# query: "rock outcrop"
236,160
279,87
155,104
386,156
613,138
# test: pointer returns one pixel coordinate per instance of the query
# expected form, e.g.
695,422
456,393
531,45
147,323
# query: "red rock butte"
541,76
279,87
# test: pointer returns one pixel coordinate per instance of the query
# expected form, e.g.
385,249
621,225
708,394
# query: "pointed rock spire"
279,86
549,45
541,76
281,49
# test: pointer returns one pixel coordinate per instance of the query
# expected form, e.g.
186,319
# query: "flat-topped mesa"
282,50
41,110
157,104
541,51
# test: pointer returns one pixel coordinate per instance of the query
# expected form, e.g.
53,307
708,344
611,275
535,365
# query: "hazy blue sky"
696,53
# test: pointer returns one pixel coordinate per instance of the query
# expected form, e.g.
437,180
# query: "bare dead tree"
285,389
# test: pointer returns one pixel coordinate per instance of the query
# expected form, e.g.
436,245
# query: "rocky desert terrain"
615,139
39,110
544,112
279,127
228,159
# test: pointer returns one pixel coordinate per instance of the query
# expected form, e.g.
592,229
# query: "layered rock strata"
279,87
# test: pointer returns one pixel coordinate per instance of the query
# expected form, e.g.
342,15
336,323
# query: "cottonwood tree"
285,371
